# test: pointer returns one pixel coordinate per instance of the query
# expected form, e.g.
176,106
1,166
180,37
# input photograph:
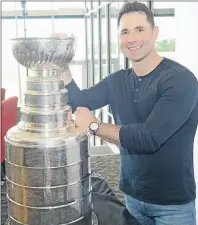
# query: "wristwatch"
93,127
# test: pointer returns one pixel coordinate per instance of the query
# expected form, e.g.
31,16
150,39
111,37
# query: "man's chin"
136,59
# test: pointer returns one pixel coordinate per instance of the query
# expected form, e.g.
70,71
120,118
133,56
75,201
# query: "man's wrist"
67,80
94,127
66,74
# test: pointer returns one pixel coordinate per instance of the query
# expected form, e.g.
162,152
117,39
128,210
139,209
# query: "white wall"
187,35
187,52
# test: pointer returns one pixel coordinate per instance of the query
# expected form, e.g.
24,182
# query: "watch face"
94,126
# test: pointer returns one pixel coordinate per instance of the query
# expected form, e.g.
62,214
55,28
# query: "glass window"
96,47
89,50
9,64
96,60
39,5
117,58
166,41
95,4
165,44
177,31
74,4
75,27
8,6
165,5
104,41
104,71
88,5
35,27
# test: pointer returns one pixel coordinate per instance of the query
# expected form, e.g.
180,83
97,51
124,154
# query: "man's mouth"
135,48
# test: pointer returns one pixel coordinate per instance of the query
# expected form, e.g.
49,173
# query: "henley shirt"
158,115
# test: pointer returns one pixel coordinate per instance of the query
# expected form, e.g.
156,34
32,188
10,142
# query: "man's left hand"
84,117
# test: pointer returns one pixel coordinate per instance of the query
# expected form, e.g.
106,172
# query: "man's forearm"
109,133
67,77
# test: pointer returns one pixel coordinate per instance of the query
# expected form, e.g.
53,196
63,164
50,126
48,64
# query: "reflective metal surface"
47,163
88,219
43,53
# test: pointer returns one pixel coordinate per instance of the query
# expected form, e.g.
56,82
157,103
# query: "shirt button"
135,100
136,89
139,79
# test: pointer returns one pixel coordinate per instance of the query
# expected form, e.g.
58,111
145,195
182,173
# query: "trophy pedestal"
47,164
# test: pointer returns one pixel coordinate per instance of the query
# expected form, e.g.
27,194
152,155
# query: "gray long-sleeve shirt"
158,115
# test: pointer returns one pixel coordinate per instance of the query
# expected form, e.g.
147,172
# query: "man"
155,109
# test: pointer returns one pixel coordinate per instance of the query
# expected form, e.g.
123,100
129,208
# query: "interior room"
30,126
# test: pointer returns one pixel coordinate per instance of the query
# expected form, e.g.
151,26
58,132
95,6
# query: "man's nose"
132,37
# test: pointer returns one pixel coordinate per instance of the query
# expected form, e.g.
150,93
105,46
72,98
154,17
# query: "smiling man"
155,109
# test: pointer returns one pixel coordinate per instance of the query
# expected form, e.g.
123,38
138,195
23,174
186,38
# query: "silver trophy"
47,164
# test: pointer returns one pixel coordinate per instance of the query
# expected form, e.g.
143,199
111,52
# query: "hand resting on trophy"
64,70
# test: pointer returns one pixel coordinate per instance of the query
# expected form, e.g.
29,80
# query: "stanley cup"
47,163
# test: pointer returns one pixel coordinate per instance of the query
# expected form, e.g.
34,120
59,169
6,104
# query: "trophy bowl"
51,53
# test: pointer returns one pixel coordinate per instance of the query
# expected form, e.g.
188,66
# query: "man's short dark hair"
136,6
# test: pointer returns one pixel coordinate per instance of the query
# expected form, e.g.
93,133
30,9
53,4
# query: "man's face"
137,37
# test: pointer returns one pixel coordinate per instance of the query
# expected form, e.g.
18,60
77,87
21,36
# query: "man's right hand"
66,74
65,70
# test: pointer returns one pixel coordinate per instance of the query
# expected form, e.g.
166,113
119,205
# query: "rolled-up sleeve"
178,98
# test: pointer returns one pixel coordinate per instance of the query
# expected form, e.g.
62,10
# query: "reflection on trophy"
47,164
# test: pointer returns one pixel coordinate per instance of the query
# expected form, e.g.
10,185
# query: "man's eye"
140,30
124,32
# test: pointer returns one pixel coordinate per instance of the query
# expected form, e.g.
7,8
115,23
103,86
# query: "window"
75,27
39,5
178,32
165,19
95,4
166,5
10,6
35,27
74,4
38,27
10,76
165,43
117,58
104,41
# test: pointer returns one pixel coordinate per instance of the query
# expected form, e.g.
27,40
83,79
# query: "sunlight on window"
38,5
9,64
165,43
8,6
66,4
165,5
35,27
77,28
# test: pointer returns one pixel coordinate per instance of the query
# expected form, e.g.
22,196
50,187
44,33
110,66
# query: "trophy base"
94,221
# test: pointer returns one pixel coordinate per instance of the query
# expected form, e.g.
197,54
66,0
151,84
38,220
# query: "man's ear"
155,32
